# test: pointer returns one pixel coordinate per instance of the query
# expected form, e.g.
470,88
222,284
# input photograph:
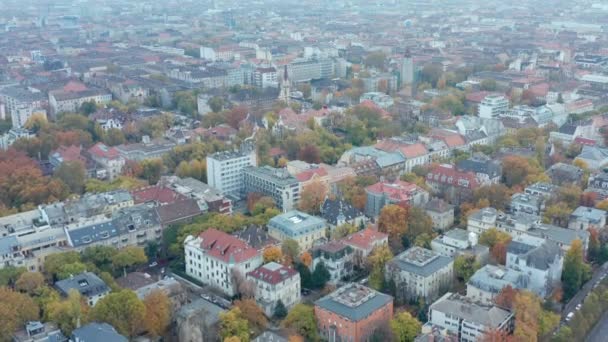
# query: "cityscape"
290,171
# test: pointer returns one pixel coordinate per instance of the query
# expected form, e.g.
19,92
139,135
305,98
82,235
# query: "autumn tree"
310,154
344,230
306,259
353,190
128,257
497,195
15,310
393,220
72,173
465,266
498,242
517,170
405,327
531,320
232,323
575,270
123,310
235,115
253,314
158,312
419,222
312,197
557,214
10,274
69,312
506,297
302,320
376,262
594,247
272,254
290,249
29,282
151,170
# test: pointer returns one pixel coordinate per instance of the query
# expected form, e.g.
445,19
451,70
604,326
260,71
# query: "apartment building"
225,170
273,283
276,183
298,226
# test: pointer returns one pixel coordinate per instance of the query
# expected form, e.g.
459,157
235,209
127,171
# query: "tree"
376,262
152,169
376,60
73,174
594,249
68,313
517,170
306,259
235,115
419,222
310,154
531,321
488,85
497,195
272,254
128,257
465,266
216,104
123,310
405,327
302,320
506,297
158,312
253,314
320,276
575,270
15,310
10,274
290,249
312,197
305,275
232,323
114,137
29,282
280,311
557,214
88,108
393,221
54,262
344,230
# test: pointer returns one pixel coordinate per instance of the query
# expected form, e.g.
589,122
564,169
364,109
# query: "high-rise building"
276,183
492,106
225,170
407,70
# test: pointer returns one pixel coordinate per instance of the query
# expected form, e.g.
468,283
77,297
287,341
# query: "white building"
225,170
301,227
543,264
420,273
380,99
273,283
220,260
467,319
337,257
407,70
459,242
492,106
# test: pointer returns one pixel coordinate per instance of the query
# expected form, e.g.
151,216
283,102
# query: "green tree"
88,108
419,222
465,266
54,262
376,262
100,256
405,327
280,311
575,270
302,319
10,274
216,104
123,310
152,169
320,276
128,257
488,85
73,174
290,249
232,323
305,276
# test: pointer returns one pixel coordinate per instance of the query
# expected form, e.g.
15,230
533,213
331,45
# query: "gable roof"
365,238
225,247
272,273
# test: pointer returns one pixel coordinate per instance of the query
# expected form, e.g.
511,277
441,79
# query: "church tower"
285,87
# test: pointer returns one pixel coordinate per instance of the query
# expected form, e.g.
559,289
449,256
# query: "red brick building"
353,313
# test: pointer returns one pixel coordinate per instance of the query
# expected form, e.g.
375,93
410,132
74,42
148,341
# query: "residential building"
584,218
276,183
441,212
398,192
35,331
88,284
468,319
266,77
198,321
338,212
457,242
225,171
493,106
7,139
269,336
598,185
525,203
486,170
109,160
452,185
70,97
96,332
420,273
544,190
563,174
352,313
21,103
380,99
147,149
256,237
542,263
301,227
364,242
487,282
337,258
205,195
594,157
273,283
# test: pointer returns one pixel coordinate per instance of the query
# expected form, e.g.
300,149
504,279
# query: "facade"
109,159
337,258
584,218
21,103
352,313
420,273
468,319
301,227
407,70
543,264
493,106
441,212
399,193
225,171
89,285
220,260
278,184
71,97
486,170
457,242
453,185
528,204
273,283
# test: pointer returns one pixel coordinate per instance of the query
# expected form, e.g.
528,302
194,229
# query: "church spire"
285,87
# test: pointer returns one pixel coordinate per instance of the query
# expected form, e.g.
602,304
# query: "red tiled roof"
365,238
101,150
74,87
448,174
449,138
310,173
407,150
399,191
70,153
226,247
157,193
270,276
178,211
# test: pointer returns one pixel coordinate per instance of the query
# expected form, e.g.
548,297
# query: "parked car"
569,316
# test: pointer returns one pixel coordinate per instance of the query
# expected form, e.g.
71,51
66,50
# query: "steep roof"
399,191
365,238
101,150
225,247
272,273
448,174
157,193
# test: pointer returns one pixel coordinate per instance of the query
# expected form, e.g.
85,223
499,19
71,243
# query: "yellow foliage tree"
272,253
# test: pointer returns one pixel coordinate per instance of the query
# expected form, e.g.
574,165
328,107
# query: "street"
600,331
582,294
